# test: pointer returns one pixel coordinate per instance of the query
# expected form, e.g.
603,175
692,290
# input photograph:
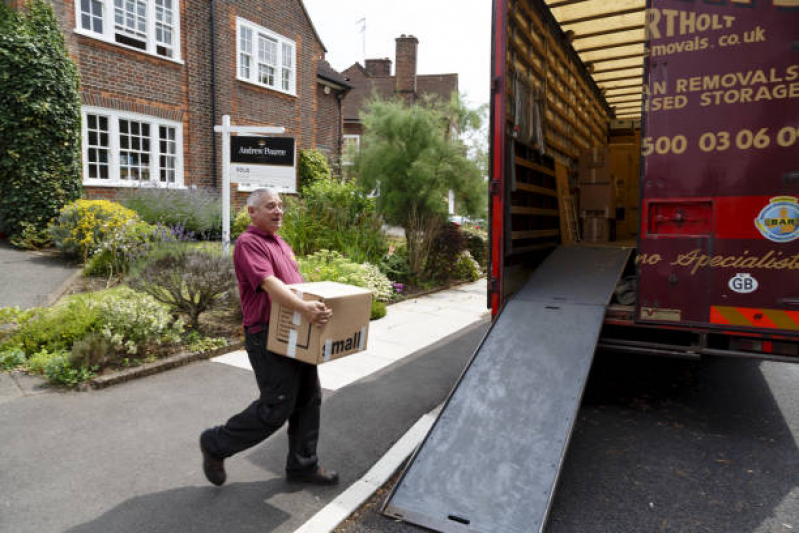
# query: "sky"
454,36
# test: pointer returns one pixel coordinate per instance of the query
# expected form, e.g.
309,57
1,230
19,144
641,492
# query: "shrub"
32,237
92,350
466,267
240,223
378,310
334,215
37,363
126,244
332,266
395,265
39,119
477,244
188,281
443,257
11,319
83,225
59,370
313,167
56,328
11,358
197,212
132,320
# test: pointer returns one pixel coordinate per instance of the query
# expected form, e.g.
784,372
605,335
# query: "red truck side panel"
719,243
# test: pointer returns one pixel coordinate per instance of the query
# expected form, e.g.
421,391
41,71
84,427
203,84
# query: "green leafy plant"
32,237
444,253
125,244
11,358
313,167
132,320
378,310
466,268
83,225
395,264
39,118
199,343
59,370
334,215
194,211
56,328
188,281
240,223
11,319
477,244
332,266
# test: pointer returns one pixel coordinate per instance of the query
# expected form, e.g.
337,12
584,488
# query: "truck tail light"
680,217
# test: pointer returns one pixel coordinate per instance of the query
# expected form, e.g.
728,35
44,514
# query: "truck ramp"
491,461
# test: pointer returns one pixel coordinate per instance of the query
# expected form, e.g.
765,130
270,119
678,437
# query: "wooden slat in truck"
705,185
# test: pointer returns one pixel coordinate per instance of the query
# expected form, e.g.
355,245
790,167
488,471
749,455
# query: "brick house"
375,78
157,75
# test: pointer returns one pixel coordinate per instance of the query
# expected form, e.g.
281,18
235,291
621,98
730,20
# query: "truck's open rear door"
491,461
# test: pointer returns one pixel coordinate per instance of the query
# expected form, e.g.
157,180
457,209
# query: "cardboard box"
596,229
596,197
594,175
594,157
595,166
346,333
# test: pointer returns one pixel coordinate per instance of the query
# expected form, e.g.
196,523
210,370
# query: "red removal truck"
715,267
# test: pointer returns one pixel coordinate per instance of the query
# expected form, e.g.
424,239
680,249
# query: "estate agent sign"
264,162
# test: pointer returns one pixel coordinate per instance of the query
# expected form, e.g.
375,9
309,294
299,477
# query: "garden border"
156,367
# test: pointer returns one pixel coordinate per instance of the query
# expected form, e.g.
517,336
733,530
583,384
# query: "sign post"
226,129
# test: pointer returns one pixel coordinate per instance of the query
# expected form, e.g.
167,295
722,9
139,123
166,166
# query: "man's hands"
316,313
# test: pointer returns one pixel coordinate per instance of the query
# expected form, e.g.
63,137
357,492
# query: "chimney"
406,67
378,67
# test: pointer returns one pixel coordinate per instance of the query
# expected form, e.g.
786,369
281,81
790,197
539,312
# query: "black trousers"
290,391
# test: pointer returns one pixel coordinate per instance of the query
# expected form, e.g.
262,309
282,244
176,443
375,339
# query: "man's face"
267,214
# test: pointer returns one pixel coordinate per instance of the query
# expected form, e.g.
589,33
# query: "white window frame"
151,44
114,116
350,137
280,67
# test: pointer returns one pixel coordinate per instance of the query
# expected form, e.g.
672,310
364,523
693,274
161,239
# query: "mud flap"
492,459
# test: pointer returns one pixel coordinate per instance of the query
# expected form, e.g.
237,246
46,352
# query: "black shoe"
318,476
214,468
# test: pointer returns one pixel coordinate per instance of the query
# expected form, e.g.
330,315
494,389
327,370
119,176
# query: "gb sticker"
743,283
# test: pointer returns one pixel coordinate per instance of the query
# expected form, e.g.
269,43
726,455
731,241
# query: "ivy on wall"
39,118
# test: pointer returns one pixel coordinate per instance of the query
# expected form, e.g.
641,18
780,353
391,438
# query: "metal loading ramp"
491,461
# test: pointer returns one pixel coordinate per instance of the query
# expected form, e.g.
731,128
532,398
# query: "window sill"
103,39
130,185
266,87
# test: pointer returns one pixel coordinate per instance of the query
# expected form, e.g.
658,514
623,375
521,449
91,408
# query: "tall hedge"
39,118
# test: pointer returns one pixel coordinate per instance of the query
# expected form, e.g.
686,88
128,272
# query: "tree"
412,157
39,119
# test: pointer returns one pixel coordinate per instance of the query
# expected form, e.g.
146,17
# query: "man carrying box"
289,388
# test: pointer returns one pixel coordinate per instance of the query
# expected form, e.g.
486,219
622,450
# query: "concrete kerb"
161,365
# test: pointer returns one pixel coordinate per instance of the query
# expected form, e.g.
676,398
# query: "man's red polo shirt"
256,256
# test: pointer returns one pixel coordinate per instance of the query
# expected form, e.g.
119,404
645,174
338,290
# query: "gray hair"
255,196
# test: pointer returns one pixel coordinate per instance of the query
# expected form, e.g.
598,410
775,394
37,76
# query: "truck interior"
574,86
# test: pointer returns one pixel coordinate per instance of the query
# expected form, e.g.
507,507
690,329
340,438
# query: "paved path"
32,279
